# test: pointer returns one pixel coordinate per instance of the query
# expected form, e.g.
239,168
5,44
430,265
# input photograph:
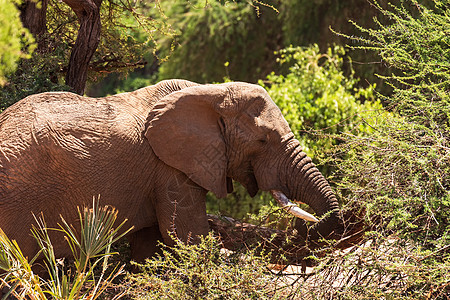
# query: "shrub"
398,175
15,41
90,247
316,95
400,172
205,271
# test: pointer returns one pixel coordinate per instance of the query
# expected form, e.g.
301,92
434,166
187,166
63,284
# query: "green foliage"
237,204
90,248
381,268
218,39
406,156
237,39
127,35
311,13
316,95
241,206
15,41
417,47
204,271
18,273
398,176
120,83
33,76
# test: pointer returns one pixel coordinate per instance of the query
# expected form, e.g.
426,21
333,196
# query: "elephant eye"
263,140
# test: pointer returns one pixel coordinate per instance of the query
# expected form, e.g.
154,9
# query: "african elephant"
153,154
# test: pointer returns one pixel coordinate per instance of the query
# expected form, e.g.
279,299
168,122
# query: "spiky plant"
90,246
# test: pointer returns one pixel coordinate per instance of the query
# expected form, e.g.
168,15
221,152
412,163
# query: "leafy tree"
34,15
236,39
218,39
406,156
72,48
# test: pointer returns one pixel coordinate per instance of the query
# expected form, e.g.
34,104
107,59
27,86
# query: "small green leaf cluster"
33,76
237,204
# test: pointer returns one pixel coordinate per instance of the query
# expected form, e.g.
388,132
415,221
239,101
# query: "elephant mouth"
292,208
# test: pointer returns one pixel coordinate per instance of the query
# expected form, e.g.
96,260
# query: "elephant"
153,154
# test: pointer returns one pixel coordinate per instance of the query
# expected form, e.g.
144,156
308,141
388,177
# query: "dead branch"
286,247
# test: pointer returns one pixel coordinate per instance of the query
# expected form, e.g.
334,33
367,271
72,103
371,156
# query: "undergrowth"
205,271
91,249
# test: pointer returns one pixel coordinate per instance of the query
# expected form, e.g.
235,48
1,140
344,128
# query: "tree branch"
294,248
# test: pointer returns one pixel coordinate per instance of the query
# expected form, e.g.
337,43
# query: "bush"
33,76
400,172
204,271
15,41
398,176
91,248
315,95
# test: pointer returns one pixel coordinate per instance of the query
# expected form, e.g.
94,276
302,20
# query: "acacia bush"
205,271
398,176
402,168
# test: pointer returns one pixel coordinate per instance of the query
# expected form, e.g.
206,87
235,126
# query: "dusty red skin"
153,154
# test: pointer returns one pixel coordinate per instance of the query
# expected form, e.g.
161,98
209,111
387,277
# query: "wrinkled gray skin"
153,154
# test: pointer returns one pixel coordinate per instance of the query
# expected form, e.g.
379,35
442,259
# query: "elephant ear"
185,131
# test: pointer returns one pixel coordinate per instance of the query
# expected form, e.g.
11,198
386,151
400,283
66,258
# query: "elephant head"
215,133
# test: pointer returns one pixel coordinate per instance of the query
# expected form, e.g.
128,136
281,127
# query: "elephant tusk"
291,207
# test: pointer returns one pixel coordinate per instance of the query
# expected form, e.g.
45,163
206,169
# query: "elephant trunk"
305,183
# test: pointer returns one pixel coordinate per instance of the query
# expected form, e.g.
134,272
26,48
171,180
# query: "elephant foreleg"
144,243
181,210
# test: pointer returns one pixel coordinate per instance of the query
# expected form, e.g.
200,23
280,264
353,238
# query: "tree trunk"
33,16
88,13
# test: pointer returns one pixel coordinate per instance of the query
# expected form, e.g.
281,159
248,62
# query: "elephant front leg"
144,243
181,210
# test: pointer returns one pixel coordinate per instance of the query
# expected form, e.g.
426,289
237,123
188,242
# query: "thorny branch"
288,244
